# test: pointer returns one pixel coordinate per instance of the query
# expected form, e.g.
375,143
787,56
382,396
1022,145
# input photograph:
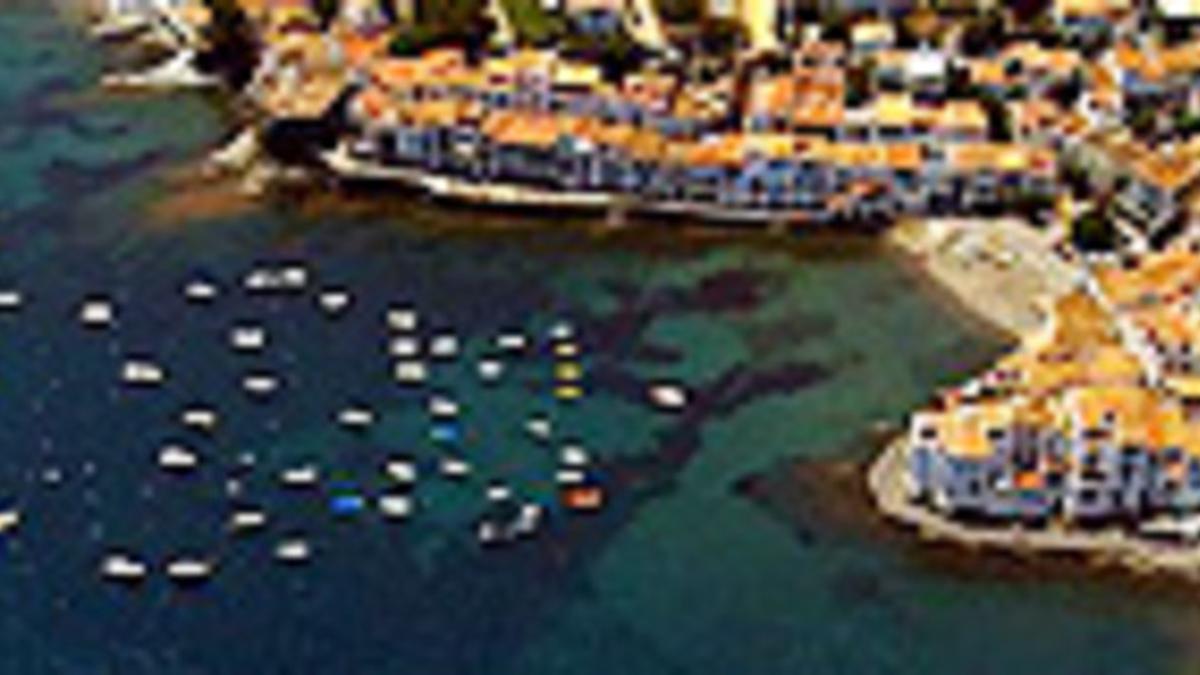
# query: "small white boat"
356,418
444,347
570,477
189,569
247,338
293,277
200,291
395,506
334,301
116,26
401,471
441,406
487,532
202,419
402,319
411,372
573,456
455,468
512,342
300,476
404,347
52,476
539,427
9,520
234,487
260,384
528,518
498,492
10,300
142,373
562,331
250,519
97,313
668,397
262,280
123,567
177,458
293,551
490,370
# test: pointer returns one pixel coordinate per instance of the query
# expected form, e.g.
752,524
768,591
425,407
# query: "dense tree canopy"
232,48
462,23
617,53
680,11
326,10
1094,231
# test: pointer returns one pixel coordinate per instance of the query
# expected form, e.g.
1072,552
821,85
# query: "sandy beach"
1000,270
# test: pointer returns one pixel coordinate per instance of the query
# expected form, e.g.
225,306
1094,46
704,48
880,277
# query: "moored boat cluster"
553,359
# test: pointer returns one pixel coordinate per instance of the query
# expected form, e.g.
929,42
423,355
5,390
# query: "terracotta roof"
359,49
309,100
1170,172
509,128
1004,157
373,103
1088,8
989,71
963,431
445,112
962,114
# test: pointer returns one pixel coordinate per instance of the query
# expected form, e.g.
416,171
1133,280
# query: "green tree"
983,34
998,118
860,82
1094,231
232,48
326,10
721,38
617,53
1027,12
680,11
534,25
1143,121
458,23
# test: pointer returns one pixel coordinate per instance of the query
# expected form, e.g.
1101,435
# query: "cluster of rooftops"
799,110
926,110
1097,416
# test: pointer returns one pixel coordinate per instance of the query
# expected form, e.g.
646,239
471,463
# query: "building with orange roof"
308,99
1067,426
1066,10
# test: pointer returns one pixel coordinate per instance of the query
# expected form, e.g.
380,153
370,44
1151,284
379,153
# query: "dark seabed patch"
76,177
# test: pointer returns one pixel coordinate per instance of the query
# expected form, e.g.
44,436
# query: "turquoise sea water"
793,351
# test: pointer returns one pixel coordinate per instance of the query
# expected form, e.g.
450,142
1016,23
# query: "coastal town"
1055,142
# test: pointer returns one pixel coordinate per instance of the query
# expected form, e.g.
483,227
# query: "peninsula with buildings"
1042,159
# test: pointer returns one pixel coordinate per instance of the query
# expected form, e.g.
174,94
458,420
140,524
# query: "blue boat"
445,433
347,504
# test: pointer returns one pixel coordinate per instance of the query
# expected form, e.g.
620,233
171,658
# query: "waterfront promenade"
1109,545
